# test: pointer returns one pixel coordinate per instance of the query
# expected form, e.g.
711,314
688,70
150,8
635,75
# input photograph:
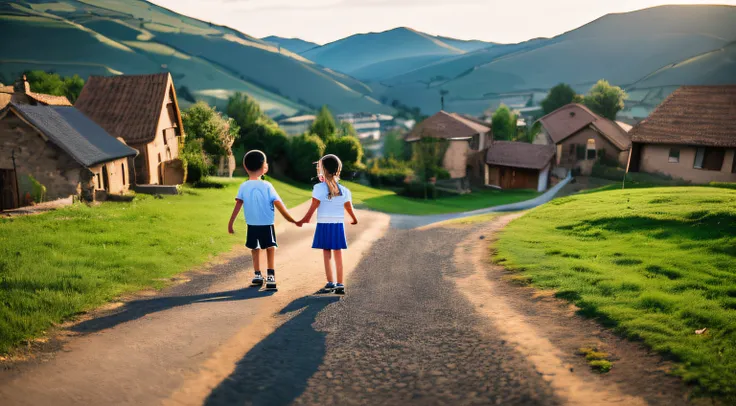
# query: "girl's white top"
331,210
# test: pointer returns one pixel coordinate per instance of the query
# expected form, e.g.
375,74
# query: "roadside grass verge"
62,263
656,264
389,202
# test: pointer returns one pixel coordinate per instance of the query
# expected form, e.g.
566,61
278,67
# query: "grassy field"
56,265
389,202
657,264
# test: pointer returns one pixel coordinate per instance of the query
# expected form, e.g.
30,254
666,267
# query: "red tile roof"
8,93
692,115
571,118
519,154
448,126
127,106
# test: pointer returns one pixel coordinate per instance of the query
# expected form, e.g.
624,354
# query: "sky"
324,21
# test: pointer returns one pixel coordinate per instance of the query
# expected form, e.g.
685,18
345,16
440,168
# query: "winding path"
427,321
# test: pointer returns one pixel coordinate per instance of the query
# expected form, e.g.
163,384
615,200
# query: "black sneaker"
271,282
329,288
257,279
339,289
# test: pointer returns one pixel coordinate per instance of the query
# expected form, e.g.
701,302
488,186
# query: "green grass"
56,265
657,264
389,202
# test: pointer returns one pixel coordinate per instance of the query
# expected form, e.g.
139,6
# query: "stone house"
466,138
582,137
690,136
59,148
143,111
518,165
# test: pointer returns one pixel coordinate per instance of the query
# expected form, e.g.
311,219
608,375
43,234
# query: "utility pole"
15,171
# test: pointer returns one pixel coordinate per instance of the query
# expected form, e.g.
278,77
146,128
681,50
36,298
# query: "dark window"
572,149
733,166
710,159
122,168
159,157
475,142
674,155
99,181
580,148
591,154
165,141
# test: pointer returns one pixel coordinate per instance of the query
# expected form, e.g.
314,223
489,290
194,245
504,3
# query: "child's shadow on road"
136,309
276,370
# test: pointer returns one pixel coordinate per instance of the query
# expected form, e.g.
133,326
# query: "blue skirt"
330,236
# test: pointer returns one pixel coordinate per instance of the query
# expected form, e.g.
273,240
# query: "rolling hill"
295,45
351,54
134,37
657,47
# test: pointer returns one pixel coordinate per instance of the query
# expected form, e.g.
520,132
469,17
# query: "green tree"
348,149
346,129
204,123
605,99
394,145
324,125
245,110
559,96
427,156
304,150
54,84
503,124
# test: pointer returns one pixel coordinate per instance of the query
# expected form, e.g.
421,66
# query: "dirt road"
427,320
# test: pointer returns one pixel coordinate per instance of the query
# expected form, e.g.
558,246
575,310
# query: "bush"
304,150
195,161
725,185
267,137
654,179
388,172
419,190
348,149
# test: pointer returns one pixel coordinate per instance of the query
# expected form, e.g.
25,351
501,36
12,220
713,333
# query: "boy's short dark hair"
254,160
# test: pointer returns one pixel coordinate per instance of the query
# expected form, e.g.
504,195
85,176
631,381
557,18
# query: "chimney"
22,86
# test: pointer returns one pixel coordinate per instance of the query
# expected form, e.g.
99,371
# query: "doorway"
105,179
8,190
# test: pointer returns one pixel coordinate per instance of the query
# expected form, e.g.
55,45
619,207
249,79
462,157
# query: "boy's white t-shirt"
331,210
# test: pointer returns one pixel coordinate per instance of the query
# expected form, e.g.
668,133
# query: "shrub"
304,150
266,136
388,172
419,190
348,149
725,185
195,161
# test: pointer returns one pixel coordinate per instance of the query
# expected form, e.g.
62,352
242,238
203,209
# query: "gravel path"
400,336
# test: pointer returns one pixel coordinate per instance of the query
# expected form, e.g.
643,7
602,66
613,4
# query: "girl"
331,200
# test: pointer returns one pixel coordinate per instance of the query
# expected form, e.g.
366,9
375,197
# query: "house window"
580,148
99,181
165,141
674,155
475,142
733,165
122,168
572,149
590,149
709,159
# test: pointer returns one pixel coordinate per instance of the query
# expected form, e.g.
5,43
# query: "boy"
259,198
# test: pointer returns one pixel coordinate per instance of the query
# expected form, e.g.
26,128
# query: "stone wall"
37,158
456,159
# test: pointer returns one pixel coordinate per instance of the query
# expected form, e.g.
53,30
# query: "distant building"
691,136
518,165
297,125
143,111
581,137
466,138
368,126
59,148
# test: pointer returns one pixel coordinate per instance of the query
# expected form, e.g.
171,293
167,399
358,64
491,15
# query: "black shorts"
261,237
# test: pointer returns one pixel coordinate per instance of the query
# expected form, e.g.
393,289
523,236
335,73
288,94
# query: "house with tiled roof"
142,110
518,165
690,136
60,150
581,137
21,93
466,138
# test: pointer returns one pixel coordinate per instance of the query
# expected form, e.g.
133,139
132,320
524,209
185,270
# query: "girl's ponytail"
331,167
